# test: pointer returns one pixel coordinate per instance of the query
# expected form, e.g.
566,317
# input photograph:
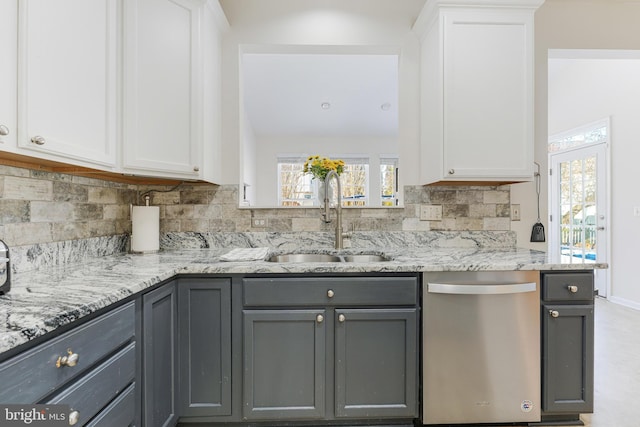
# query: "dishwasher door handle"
480,289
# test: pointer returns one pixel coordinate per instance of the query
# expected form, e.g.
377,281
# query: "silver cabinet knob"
71,359
452,171
4,131
554,313
330,293
38,140
196,168
341,318
74,417
319,318
572,288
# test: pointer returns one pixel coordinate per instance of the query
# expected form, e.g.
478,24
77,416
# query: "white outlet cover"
430,212
515,212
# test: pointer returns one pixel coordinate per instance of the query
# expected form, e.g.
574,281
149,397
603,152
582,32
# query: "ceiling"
283,93
321,94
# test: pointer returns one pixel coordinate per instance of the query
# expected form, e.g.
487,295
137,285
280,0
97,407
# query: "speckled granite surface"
52,296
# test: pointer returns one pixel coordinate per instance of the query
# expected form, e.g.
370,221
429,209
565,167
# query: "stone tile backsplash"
39,207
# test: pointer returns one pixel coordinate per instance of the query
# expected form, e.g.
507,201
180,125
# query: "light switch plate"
430,212
515,212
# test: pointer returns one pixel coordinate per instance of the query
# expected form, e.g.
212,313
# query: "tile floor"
617,367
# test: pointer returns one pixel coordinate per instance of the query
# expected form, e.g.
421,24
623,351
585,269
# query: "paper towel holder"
145,228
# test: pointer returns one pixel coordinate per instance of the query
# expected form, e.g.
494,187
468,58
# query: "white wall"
583,91
285,22
579,24
269,148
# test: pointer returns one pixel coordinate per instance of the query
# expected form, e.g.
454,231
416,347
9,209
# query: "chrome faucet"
326,215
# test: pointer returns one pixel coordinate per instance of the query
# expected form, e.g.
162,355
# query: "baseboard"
626,302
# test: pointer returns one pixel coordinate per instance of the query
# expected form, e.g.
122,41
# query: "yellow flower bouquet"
319,167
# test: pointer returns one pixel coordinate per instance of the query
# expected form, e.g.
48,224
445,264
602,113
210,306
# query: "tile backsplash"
42,207
39,207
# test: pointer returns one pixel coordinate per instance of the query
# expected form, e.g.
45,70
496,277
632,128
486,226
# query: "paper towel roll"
145,229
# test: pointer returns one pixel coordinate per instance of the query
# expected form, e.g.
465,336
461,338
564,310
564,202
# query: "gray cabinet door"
284,364
567,358
205,346
376,363
159,370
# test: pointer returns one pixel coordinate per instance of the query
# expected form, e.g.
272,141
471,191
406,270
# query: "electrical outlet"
515,212
430,212
259,222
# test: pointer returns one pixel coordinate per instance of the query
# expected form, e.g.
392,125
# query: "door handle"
480,289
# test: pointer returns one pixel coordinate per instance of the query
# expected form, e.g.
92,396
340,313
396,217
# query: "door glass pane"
578,183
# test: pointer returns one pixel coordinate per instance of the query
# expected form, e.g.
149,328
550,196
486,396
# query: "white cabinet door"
8,74
478,95
67,77
162,88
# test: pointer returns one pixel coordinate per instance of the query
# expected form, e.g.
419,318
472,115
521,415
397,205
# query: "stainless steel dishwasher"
481,347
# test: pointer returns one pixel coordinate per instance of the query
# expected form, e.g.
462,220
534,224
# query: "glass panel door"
578,232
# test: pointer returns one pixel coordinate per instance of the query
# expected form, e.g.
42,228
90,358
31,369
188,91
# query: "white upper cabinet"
477,91
8,74
164,88
67,76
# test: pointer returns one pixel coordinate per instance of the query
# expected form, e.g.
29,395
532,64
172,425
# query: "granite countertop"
42,300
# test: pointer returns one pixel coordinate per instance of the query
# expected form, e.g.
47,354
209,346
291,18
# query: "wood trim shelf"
27,162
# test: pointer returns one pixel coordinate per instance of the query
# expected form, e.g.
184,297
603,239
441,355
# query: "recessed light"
325,105
385,107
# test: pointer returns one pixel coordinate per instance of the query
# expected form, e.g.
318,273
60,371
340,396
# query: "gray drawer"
567,286
330,291
120,412
30,376
97,388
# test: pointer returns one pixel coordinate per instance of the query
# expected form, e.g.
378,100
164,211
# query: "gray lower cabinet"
205,346
376,362
284,364
91,368
330,348
160,357
567,344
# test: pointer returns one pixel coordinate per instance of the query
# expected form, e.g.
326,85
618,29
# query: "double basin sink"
327,258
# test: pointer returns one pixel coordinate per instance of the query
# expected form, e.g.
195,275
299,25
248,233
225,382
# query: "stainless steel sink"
305,258
327,258
365,258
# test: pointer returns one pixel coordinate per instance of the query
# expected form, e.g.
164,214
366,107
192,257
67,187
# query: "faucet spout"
327,208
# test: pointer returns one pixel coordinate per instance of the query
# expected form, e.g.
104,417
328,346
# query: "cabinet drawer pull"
74,417
330,293
319,318
4,131
572,288
341,318
71,359
38,140
554,313
452,171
